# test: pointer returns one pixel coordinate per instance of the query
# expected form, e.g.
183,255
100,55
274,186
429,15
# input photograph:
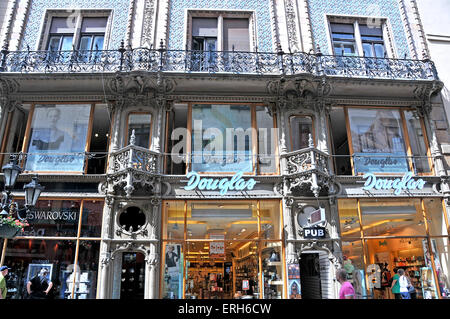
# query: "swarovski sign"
224,185
398,185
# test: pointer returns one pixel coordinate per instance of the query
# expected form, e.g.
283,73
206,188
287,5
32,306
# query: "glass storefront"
64,238
230,249
381,236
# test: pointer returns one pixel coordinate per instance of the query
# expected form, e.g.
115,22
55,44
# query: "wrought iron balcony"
214,62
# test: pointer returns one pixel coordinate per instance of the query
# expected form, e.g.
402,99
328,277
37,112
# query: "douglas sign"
398,185
224,185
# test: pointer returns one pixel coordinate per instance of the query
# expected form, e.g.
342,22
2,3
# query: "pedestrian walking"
404,284
3,289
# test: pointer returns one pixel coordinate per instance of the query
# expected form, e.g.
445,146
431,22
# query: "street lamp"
32,190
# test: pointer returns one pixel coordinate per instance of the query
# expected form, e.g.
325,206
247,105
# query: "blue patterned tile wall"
38,8
384,8
261,8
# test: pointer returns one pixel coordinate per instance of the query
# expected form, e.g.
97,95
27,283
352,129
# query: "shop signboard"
314,232
405,183
380,162
237,182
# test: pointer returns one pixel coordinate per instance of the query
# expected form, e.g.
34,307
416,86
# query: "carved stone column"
118,107
152,265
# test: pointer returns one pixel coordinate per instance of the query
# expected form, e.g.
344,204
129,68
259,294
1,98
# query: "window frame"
27,134
127,123
254,145
389,45
313,131
220,15
78,15
405,131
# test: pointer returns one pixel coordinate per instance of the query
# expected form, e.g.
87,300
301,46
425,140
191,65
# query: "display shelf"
275,283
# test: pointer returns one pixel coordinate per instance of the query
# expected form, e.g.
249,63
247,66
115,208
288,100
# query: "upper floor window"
220,34
301,128
140,123
380,140
56,137
80,32
357,39
221,138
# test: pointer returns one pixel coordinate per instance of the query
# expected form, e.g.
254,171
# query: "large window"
64,238
381,236
56,137
354,38
301,129
386,140
220,33
221,248
221,138
76,32
140,123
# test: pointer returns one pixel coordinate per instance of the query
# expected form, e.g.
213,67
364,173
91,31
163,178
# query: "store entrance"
132,276
310,276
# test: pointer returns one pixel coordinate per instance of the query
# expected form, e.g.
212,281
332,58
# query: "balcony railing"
134,157
214,62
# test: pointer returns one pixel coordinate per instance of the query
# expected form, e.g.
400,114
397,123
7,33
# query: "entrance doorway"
310,276
132,277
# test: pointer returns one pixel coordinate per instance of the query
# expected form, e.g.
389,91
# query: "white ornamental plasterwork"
147,28
291,25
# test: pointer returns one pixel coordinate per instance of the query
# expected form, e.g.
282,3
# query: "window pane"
87,270
91,222
269,212
344,48
58,136
232,220
272,267
173,271
435,216
94,25
442,265
379,50
301,128
98,42
173,227
63,25
204,27
353,264
85,43
140,123
386,256
395,218
349,220
367,48
221,138
236,35
53,44
342,28
371,31
417,141
266,141
377,139
67,43
27,257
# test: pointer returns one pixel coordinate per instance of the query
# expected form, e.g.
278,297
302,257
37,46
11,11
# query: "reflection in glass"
394,218
272,270
173,228
266,141
91,224
58,136
417,142
172,276
301,128
140,123
377,140
27,257
221,138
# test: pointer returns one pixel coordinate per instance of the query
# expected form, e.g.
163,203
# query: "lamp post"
32,191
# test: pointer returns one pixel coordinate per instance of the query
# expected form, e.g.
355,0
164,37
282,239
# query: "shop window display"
27,257
221,248
401,244
91,222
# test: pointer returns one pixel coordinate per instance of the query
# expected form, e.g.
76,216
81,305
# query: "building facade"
225,149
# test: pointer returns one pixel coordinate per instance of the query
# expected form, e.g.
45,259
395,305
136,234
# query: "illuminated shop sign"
314,232
399,184
224,185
